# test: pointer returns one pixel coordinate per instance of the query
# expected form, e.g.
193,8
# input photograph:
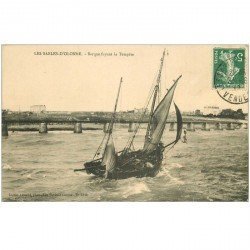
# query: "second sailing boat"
146,161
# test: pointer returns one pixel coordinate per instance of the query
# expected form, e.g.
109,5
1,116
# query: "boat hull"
134,164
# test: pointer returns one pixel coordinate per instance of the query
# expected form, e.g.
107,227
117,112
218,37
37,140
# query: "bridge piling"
43,128
190,126
5,129
218,126
238,126
171,127
230,126
205,126
105,127
131,127
78,128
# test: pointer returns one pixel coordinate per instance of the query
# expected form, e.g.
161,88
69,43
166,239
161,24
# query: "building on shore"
38,108
188,113
214,110
138,111
198,112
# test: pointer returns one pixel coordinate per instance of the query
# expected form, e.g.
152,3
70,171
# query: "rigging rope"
131,139
100,146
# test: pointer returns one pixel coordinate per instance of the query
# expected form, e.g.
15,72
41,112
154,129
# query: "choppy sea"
212,166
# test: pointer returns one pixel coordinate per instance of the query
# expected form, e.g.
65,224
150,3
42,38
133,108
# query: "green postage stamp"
229,68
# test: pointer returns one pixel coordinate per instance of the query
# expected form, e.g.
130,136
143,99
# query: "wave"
41,172
175,180
29,176
182,155
165,172
42,142
176,165
134,189
166,164
7,166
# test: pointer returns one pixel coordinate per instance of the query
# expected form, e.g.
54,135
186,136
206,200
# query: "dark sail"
179,127
179,123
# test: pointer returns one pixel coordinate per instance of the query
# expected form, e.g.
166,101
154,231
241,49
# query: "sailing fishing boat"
147,161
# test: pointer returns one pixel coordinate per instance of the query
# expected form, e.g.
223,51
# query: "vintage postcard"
125,122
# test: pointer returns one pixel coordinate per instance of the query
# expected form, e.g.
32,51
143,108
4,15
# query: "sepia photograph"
124,123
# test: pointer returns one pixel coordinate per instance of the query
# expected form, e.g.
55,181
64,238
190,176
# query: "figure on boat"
147,161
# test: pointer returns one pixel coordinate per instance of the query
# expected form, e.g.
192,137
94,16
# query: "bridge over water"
45,123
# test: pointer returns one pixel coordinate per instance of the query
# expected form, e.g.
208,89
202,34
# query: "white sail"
159,119
109,157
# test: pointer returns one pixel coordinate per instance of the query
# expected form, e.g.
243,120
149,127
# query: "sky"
33,75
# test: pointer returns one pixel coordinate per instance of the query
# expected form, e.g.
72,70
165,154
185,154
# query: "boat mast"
111,124
114,113
156,90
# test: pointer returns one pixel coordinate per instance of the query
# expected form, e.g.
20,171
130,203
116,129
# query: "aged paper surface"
62,108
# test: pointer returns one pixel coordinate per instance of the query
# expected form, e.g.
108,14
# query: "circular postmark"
230,76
